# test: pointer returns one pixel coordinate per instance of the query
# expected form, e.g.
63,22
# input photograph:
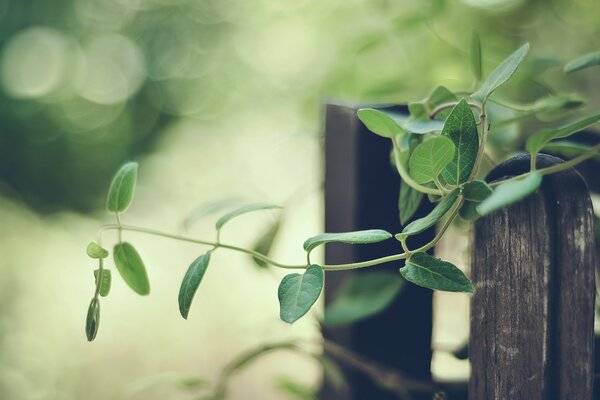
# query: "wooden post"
532,314
361,192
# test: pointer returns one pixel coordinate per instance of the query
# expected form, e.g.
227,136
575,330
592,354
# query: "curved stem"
443,229
446,106
407,178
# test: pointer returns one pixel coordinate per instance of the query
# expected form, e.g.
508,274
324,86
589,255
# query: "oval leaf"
433,273
243,210
461,128
430,158
408,202
582,62
501,74
379,122
132,269
95,251
356,237
477,191
105,283
122,188
190,283
536,142
361,296
432,218
93,320
510,192
476,55
297,293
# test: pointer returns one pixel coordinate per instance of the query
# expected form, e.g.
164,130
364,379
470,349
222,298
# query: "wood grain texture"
532,312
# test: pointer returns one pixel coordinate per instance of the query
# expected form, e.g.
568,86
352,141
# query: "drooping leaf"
585,61
477,191
190,283
106,281
95,251
536,142
379,122
568,149
208,209
501,74
122,188
408,202
243,210
298,292
433,273
131,267
468,210
355,237
430,158
476,55
265,242
432,218
461,128
93,319
361,296
510,192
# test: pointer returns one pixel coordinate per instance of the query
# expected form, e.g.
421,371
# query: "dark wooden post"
532,314
361,192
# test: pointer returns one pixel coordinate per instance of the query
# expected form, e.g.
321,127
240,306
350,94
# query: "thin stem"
443,229
407,178
453,104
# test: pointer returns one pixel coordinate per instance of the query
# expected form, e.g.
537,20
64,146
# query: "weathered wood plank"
533,309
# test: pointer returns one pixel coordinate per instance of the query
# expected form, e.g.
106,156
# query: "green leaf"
537,141
265,242
208,209
476,55
356,237
296,390
468,211
568,149
95,251
122,187
421,109
423,126
408,202
433,273
106,281
461,128
243,210
361,296
501,74
379,122
582,62
190,283
93,319
477,191
430,158
131,267
510,192
432,218
297,293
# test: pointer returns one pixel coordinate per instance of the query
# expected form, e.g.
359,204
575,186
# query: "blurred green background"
215,98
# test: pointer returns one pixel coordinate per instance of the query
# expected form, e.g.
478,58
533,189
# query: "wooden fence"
532,314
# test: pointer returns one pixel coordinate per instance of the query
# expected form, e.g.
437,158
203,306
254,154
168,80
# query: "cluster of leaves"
438,151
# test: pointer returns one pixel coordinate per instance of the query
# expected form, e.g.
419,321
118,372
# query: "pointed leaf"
93,319
361,296
476,55
510,192
432,218
95,251
243,210
356,237
501,74
265,242
430,158
190,283
461,128
297,293
379,122
477,191
536,142
122,188
408,202
433,273
582,62
131,267
106,281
